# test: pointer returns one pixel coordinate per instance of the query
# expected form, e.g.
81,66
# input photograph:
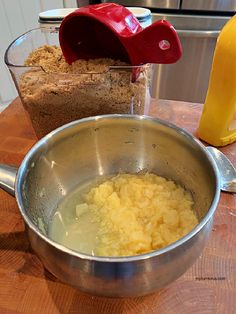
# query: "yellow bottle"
218,121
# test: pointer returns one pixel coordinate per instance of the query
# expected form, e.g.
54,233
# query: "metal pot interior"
106,145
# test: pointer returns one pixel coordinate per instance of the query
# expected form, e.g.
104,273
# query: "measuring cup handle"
158,43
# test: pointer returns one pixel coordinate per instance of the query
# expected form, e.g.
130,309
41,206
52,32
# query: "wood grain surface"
209,286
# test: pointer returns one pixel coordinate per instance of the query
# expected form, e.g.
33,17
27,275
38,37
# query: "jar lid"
55,15
140,13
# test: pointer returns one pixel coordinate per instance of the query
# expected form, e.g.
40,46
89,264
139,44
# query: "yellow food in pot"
131,214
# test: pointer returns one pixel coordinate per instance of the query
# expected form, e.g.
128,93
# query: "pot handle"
226,170
8,178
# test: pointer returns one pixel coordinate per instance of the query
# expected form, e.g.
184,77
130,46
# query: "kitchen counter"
209,286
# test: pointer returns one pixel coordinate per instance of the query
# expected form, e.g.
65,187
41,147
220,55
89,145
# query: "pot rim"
122,259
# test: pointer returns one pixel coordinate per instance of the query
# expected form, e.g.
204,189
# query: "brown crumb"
54,92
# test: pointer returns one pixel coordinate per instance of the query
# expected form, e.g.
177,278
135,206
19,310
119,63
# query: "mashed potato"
136,214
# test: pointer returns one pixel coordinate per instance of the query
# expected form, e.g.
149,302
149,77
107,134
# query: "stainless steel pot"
103,145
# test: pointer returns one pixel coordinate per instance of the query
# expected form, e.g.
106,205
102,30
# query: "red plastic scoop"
111,30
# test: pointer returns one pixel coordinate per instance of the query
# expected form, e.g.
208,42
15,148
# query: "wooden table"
26,287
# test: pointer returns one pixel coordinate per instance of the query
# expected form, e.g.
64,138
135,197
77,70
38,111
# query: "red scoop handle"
158,43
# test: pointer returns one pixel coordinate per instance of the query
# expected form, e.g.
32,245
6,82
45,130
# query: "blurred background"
198,23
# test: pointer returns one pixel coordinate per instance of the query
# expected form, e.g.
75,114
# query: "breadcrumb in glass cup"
54,92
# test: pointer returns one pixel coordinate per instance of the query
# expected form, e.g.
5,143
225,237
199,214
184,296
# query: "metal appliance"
198,24
209,5
187,80
151,4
